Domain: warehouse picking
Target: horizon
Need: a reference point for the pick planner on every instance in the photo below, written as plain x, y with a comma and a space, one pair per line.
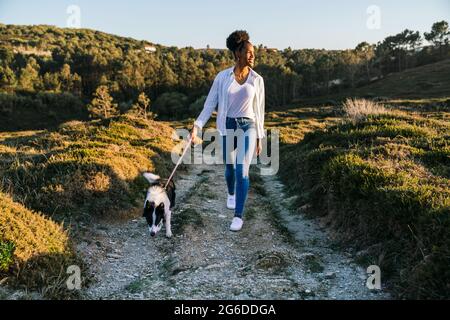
334, 26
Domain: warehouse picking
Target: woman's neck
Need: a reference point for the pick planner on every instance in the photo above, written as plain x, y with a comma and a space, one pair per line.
241, 70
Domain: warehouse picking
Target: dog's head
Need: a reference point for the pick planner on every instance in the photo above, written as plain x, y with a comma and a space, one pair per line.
154, 214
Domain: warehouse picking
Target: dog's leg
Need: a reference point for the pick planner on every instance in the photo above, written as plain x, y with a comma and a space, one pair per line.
168, 226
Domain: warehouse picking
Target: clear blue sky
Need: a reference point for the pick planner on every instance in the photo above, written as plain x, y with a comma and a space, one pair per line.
329, 24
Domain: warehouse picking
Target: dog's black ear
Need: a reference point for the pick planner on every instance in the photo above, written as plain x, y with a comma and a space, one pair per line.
149, 205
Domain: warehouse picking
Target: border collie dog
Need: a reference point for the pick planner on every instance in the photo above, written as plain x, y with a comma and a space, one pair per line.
158, 203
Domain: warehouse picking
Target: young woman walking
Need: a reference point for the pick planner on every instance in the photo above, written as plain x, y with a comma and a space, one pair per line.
239, 93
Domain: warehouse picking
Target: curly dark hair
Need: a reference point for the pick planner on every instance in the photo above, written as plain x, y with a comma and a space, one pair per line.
237, 40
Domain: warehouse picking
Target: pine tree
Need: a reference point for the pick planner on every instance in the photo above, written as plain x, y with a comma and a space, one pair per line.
66, 78
439, 35
51, 82
142, 105
29, 77
7, 77
102, 105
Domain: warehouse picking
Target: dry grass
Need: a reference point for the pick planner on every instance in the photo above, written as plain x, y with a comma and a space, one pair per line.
31, 232
293, 124
36, 250
357, 110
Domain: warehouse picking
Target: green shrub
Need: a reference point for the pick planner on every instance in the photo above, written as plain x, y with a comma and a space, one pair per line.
6, 255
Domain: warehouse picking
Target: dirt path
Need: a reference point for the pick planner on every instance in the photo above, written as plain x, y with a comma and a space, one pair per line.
277, 255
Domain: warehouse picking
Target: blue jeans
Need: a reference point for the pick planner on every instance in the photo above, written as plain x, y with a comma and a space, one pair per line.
238, 147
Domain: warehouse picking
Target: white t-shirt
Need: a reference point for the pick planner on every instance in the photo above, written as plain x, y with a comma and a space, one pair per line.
240, 99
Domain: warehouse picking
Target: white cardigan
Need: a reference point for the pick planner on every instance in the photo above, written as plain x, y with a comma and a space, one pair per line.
218, 95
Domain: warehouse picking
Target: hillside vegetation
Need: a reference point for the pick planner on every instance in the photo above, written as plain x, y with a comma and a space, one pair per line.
425, 82
425, 89
382, 182
40, 65
82, 171
85, 168
34, 251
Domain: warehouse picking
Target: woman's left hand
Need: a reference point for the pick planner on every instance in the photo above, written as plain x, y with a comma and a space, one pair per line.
258, 147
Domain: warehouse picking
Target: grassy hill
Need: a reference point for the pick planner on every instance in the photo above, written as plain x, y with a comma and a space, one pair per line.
34, 250
381, 183
431, 81
42, 39
425, 88
85, 168
82, 171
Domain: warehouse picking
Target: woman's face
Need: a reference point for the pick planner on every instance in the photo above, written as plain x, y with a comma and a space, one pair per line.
246, 57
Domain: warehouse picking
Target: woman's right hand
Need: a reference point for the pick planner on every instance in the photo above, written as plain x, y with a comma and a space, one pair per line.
193, 133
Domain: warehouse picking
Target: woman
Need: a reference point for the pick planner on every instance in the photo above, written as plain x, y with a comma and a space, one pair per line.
239, 93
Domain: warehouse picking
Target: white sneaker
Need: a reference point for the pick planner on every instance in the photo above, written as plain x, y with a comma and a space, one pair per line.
231, 201
236, 224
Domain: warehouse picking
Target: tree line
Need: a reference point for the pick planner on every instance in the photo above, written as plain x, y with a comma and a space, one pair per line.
111, 74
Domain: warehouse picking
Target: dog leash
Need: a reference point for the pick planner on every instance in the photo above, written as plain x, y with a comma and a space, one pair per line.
178, 163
